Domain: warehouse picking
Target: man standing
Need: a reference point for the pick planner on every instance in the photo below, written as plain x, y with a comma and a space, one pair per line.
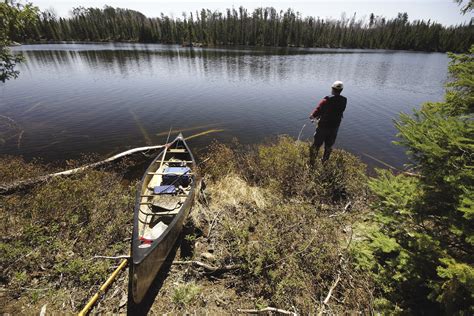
329, 115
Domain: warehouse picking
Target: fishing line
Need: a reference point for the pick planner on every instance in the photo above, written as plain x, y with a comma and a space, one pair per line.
304, 125
299, 135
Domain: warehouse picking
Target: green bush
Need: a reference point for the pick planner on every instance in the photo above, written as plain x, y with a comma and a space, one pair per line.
419, 246
275, 224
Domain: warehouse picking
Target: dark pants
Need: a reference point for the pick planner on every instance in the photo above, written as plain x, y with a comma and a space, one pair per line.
323, 135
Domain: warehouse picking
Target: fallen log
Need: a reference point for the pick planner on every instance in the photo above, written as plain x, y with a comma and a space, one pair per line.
23, 184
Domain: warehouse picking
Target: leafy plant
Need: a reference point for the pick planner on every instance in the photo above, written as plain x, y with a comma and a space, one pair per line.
14, 19
185, 294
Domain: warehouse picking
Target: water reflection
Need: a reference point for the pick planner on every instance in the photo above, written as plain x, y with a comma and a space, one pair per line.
73, 98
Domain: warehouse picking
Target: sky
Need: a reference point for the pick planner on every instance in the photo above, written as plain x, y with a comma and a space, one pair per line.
443, 11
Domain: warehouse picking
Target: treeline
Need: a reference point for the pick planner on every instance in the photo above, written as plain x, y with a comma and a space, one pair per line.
262, 27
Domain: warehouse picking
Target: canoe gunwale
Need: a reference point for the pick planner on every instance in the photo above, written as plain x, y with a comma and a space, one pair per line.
138, 255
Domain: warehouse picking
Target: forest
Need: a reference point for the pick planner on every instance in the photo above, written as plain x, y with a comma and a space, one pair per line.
262, 27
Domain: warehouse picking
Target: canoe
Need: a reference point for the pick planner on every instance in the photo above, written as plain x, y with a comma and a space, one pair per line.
162, 204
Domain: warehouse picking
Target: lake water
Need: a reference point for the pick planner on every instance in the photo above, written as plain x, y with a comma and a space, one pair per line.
104, 98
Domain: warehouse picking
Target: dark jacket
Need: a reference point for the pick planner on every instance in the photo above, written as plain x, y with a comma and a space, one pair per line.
329, 111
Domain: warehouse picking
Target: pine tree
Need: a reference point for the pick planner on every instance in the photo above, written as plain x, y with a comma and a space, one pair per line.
421, 244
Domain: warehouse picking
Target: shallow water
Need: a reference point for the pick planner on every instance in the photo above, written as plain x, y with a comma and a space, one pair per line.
105, 98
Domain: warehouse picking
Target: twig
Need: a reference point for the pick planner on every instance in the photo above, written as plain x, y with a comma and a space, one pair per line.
331, 289
25, 289
266, 309
111, 257
333, 286
345, 210
412, 174
209, 268
213, 222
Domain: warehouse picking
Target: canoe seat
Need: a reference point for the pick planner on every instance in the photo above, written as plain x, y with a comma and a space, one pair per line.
177, 150
166, 202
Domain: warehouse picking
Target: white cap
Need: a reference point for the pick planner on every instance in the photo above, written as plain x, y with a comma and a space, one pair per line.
338, 85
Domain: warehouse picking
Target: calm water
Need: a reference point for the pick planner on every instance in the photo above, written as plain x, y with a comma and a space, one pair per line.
105, 98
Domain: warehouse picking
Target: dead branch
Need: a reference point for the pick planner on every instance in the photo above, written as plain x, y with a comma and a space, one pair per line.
25, 289
22, 184
348, 205
266, 310
333, 286
111, 257
212, 223
209, 268
328, 297
412, 174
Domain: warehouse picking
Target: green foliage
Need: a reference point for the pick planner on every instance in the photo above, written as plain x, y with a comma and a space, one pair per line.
50, 234
283, 167
419, 246
262, 27
15, 19
185, 294
275, 224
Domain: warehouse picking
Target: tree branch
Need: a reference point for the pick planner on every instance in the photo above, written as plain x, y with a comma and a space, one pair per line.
22, 184
209, 268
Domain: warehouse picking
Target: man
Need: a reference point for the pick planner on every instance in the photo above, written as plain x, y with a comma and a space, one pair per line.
329, 115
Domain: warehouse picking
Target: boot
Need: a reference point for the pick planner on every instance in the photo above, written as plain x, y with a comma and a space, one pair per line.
313, 153
327, 153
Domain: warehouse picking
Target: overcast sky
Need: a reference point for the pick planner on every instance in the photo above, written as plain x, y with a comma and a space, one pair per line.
443, 11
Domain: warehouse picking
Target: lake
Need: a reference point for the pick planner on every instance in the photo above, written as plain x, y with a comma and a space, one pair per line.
104, 98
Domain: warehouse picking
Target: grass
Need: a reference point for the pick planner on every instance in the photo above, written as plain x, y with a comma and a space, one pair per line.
185, 294
284, 223
50, 234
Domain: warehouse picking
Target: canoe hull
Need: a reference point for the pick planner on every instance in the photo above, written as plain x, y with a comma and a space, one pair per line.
145, 263
142, 274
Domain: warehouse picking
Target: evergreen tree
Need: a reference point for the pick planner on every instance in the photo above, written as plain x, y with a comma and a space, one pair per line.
421, 245
265, 26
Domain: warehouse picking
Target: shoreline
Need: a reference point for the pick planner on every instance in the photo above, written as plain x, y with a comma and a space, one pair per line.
202, 46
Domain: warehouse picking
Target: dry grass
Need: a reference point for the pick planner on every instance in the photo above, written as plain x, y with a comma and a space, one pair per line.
265, 210
50, 235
